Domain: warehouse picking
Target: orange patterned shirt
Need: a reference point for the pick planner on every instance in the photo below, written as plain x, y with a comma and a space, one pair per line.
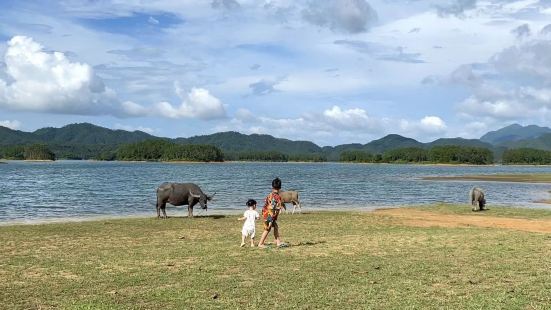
272, 207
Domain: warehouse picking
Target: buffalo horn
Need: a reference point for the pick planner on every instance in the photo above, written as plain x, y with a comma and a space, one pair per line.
193, 195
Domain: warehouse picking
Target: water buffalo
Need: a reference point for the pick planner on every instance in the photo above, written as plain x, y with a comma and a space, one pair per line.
477, 199
291, 197
179, 194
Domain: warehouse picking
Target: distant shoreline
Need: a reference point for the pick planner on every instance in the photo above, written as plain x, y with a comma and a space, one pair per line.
6, 161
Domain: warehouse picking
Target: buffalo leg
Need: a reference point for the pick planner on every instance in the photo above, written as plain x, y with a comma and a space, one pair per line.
164, 211
161, 205
190, 208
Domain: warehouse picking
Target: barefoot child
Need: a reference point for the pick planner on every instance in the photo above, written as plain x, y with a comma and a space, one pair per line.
272, 207
249, 226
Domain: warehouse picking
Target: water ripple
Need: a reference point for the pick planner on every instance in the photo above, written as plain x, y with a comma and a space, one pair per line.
74, 189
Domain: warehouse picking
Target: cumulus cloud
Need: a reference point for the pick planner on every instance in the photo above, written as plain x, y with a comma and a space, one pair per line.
198, 103
49, 82
41, 81
348, 119
514, 84
425, 128
349, 16
433, 124
352, 125
11, 124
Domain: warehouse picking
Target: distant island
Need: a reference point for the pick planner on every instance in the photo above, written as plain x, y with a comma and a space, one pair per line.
513, 144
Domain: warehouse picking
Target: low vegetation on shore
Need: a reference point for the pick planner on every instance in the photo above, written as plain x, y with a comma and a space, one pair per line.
28, 152
425, 258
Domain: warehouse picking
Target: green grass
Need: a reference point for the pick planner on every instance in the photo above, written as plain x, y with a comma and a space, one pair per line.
498, 211
337, 260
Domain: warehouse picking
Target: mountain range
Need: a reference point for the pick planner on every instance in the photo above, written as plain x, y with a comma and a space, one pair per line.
84, 139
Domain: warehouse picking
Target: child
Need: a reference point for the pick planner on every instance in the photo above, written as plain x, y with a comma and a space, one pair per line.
272, 207
249, 226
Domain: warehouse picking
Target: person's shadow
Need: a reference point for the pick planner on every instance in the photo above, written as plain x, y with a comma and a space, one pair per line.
307, 243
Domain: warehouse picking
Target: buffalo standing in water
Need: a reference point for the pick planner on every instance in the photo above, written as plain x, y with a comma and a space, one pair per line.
477, 199
179, 194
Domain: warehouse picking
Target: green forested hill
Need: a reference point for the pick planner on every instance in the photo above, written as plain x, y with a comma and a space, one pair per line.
390, 142
88, 141
89, 134
75, 141
13, 137
232, 141
542, 142
514, 132
459, 142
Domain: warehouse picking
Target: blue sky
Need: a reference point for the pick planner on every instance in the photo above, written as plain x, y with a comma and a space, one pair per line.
334, 71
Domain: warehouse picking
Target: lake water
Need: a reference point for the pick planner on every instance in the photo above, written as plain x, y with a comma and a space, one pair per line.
80, 189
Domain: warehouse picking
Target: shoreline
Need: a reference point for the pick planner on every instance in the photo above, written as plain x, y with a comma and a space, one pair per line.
264, 162
544, 205
181, 215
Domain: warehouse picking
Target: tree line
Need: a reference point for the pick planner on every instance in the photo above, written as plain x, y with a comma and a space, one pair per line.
439, 154
27, 152
164, 150
274, 156
526, 156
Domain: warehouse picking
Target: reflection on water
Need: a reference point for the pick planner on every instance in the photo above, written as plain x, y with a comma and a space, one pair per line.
33, 191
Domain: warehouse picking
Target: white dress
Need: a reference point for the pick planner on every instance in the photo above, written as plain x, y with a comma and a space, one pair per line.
249, 225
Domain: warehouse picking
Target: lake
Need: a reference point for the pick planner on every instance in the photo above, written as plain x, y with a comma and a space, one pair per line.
32, 191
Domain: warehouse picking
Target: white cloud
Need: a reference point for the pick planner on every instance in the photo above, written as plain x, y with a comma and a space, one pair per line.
433, 124
425, 129
198, 103
49, 82
43, 81
348, 119
13, 124
514, 84
350, 125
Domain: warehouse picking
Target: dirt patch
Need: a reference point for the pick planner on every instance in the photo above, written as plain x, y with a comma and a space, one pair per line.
420, 218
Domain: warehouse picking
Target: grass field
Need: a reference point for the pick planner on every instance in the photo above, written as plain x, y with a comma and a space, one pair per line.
388, 259
523, 178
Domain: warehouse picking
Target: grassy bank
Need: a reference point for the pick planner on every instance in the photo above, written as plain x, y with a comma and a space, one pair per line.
336, 260
523, 178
